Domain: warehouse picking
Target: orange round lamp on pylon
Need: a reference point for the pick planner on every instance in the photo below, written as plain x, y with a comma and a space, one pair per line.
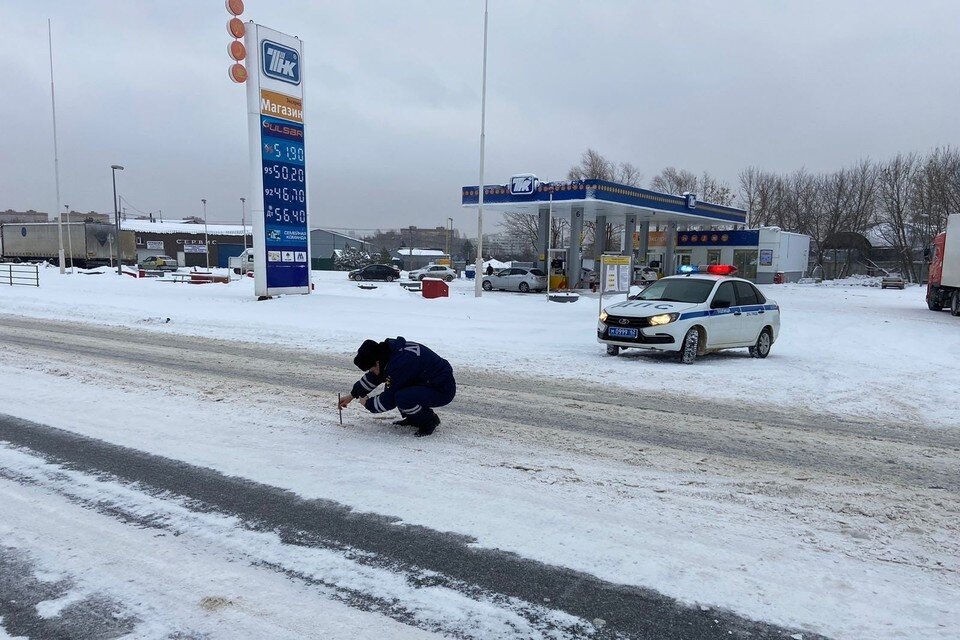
238, 73
235, 27
235, 7
236, 50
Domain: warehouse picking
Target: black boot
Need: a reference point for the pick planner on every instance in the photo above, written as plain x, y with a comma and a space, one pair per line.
428, 427
405, 422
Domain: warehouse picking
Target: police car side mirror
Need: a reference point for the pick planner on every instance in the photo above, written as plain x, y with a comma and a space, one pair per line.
720, 304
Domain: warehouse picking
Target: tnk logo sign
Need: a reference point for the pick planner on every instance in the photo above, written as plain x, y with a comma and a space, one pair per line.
280, 62
523, 184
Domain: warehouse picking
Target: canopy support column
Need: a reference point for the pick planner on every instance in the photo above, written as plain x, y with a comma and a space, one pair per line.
574, 251
543, 238
600, 239
643, 248
669, 268
629, 227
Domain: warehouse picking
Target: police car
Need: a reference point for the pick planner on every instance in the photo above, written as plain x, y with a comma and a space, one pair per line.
702, 310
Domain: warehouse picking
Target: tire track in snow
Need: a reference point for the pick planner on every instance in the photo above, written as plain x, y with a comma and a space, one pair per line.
328, 544
917, 457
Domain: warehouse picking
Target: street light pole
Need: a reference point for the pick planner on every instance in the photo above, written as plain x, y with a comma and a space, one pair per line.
478, 274
206, 236
449, 233
116, 215
243, 220
66, 208
56, 156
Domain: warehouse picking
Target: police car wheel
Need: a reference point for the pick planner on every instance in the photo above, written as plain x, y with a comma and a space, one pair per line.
762, 348
691, 344
613, 350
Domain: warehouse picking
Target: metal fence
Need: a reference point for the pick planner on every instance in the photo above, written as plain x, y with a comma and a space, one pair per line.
23, 274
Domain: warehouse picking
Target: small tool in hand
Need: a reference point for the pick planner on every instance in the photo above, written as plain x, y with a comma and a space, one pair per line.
340, 409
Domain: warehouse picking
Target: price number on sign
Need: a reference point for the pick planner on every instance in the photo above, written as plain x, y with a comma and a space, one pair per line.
286, 214
287, 194
285, 152
284, 172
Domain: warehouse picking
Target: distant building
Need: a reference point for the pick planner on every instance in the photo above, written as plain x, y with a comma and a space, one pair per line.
506, 245
186, 241
325, 244
11, 216
426, 237
410, 258
89, 216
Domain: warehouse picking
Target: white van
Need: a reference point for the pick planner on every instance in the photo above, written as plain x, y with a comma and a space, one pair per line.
242, 263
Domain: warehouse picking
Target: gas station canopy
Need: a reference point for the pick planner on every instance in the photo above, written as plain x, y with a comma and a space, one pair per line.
603, 202
599, 198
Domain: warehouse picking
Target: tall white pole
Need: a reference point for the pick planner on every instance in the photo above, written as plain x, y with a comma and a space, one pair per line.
243, 220
206, 236
56, 157
66, 210
478, 276
549, 243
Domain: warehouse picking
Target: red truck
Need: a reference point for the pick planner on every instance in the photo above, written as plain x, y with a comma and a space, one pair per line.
943, 288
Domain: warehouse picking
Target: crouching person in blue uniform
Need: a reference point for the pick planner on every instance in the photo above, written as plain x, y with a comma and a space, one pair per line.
415, 379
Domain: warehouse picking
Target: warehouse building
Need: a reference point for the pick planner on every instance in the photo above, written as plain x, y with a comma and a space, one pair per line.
325, 245
187, 241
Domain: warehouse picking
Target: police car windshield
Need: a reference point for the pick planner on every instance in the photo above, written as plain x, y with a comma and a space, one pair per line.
694, 290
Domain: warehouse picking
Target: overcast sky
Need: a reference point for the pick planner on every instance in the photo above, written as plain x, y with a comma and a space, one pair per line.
393, 96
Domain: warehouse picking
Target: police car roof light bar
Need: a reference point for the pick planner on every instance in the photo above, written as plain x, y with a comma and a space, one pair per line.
712, 269
722, 269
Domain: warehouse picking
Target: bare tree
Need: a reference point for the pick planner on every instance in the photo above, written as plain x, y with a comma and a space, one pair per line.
709, 189
628, 174
680, 181
936, 193
673, 180
594, 166
897, 183
526, 228
522, 226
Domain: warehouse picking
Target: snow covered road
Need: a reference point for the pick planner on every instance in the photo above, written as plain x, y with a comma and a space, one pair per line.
759, 514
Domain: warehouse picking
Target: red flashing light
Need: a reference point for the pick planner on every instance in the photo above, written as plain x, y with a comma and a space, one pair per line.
722, 269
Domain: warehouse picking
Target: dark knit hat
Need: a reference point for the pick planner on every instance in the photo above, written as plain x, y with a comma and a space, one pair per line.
367, 355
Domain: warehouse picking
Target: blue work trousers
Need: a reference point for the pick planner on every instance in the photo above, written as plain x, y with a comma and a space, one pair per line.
417, 403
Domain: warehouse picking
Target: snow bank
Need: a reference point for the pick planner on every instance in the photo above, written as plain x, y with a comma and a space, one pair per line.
845, 349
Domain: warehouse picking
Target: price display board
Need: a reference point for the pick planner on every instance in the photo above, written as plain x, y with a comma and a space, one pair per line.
279, 179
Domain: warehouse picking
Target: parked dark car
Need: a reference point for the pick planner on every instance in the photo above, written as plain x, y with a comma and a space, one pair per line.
375, 272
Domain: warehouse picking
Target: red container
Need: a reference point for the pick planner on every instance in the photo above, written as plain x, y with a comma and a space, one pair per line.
434, 288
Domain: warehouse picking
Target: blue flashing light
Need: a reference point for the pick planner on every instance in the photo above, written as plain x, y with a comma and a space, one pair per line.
688, 268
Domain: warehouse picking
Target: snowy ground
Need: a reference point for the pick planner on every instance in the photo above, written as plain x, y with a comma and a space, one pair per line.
849, 350
819, 548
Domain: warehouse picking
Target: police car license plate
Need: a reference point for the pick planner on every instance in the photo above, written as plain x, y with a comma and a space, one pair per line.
618, 332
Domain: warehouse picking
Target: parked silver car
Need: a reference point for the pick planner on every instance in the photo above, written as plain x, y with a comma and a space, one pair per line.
893, 281
522, 280
433, 271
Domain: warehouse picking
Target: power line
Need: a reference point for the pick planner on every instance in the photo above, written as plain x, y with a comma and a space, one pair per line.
135, 208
